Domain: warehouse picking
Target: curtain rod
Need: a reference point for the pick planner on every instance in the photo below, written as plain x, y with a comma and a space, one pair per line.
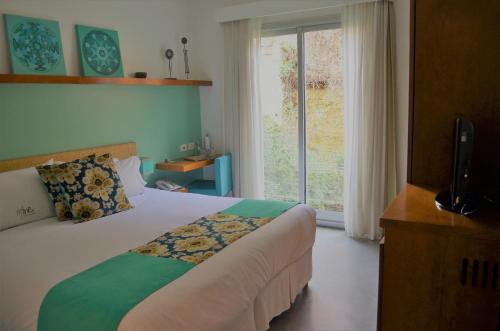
273, 8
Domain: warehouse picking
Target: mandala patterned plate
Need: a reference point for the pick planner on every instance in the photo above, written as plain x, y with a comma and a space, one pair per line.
99, 52
35, 46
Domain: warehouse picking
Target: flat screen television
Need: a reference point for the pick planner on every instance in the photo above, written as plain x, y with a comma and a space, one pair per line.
459, 198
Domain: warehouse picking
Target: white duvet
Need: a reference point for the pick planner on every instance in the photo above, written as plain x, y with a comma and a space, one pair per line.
36, 256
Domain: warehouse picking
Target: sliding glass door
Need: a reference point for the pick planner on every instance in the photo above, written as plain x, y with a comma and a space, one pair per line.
302, 101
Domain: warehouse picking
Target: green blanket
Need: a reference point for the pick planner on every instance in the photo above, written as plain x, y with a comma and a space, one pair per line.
98, 298
259, 208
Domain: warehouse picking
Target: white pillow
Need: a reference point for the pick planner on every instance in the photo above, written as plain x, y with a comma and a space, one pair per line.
130, 175
23, 198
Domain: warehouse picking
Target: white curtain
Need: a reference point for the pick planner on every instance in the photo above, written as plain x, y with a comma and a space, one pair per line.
242, 119
370, 167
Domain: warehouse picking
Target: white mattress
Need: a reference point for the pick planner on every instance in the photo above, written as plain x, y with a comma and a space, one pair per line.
36, 256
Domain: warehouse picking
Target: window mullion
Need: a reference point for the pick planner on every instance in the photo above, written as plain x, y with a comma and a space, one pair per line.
302, 114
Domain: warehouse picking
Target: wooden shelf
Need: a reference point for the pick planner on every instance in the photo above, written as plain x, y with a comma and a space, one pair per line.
45, 79
184, 165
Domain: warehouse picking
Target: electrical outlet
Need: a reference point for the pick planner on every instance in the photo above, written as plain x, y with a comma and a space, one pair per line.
191, 146
184, 147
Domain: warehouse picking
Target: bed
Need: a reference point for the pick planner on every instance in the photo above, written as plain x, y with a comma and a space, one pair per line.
240, 288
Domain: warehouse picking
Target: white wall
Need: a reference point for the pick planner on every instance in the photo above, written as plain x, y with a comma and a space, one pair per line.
208, 63
145, 29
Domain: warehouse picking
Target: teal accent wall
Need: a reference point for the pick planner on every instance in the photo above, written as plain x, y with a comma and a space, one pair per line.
40, 119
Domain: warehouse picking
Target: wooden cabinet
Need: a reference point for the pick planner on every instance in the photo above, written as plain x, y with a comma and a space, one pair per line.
454, 70
439, 270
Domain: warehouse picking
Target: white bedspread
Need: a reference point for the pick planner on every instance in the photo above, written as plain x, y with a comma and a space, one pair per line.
36, 256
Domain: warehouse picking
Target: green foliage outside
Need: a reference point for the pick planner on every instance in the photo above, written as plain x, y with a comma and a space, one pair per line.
324, 128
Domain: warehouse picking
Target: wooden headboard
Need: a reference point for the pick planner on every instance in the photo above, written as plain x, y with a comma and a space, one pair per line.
120, 151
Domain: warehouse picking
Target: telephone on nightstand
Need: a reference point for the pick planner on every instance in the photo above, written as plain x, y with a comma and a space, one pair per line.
167, 185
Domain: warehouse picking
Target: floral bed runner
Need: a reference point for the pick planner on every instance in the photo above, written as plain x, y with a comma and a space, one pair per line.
98, 298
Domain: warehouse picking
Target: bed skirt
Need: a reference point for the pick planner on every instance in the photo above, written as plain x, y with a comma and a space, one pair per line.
276, 297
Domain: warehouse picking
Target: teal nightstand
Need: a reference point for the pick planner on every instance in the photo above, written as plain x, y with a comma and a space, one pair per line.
147, 166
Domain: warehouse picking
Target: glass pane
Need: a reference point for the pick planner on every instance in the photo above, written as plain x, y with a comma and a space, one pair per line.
324, 120
280, 116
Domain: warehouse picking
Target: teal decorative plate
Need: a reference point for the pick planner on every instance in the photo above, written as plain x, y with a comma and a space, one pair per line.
34, 45
99, 52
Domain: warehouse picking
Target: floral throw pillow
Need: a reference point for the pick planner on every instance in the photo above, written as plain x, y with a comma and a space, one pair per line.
51, 176
92, 188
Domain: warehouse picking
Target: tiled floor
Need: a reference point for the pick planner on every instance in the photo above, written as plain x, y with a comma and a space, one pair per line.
342, 295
